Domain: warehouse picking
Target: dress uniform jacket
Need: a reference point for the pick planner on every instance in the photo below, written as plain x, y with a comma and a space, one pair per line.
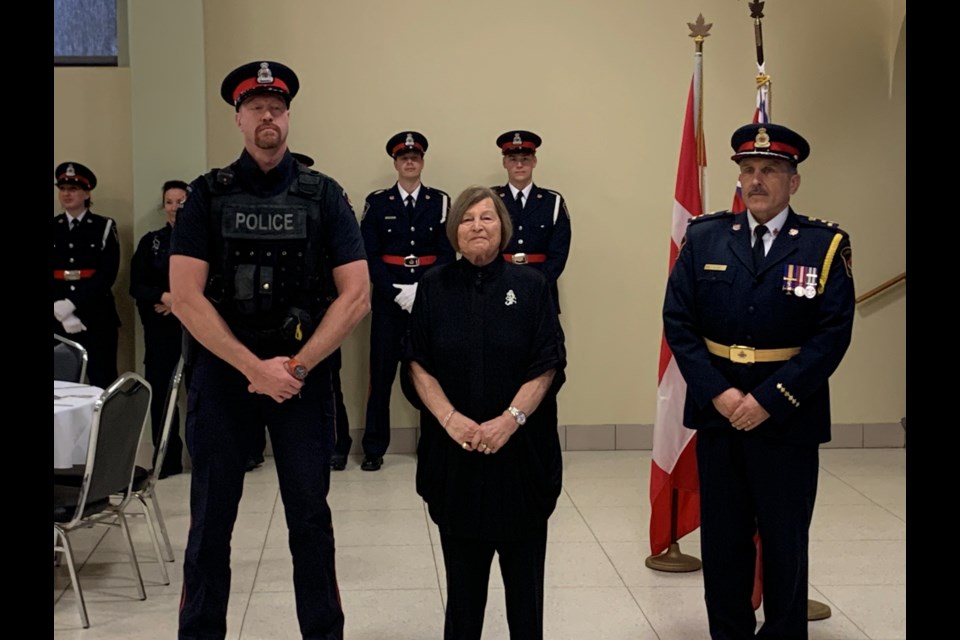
714, 293
541, 226
93, 249
94, 246
388, 229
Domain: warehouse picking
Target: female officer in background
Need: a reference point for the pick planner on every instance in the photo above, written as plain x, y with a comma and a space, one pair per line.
162, 334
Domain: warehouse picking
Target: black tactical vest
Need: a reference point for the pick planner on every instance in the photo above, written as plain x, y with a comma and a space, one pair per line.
269, 277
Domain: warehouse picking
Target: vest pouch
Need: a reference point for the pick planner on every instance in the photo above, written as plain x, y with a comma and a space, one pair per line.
245, 286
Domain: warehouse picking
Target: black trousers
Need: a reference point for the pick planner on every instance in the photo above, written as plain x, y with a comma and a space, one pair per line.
343, 423
161, 353
387, 328
467, 563
750, 483
222, 419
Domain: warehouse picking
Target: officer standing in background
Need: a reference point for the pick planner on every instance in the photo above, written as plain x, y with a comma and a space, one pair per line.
758, 313
541, 222
86, 258
253, 250
405, 236
162, 332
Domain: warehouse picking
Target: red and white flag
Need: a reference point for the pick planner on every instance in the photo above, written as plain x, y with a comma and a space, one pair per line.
674, 484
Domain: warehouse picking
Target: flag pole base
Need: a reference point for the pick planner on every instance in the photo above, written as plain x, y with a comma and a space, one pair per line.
817, 610
673, 561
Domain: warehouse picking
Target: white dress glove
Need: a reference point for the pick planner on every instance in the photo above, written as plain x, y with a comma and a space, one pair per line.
408, 293
62, 309
72, 324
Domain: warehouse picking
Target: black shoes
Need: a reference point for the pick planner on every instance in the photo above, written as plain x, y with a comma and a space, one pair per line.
372, 463
253, 462
166, 473
338, 461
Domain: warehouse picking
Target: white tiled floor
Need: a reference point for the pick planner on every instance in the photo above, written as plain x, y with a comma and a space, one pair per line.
390, 566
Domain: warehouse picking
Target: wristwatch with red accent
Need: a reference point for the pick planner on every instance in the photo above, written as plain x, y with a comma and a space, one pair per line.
296, 368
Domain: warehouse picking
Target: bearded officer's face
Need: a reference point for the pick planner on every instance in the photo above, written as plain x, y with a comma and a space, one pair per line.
264, 121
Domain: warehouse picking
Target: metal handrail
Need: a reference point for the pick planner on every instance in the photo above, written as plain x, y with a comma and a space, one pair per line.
883, 287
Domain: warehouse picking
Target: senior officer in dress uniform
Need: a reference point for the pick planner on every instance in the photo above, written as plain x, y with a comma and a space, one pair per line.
86, 258
541, 222
254, 249
758, 313
404, 236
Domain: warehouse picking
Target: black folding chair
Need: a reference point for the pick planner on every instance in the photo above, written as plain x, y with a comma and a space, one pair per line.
119, 418
69, 360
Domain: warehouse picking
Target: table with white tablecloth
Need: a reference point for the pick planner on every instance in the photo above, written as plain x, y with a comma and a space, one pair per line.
72, 417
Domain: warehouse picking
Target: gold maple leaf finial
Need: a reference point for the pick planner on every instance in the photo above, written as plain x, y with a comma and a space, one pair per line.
699, 28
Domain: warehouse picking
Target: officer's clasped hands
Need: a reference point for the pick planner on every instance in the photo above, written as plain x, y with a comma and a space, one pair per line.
271, 378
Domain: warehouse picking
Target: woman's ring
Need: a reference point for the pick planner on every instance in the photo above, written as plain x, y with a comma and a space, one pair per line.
465, 445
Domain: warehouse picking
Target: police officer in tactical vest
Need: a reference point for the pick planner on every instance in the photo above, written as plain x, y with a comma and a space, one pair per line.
268, 275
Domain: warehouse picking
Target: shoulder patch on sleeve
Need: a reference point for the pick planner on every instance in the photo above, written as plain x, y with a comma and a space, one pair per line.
366, 208
847, 254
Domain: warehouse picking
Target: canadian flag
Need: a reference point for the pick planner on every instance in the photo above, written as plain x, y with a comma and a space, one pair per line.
674, 484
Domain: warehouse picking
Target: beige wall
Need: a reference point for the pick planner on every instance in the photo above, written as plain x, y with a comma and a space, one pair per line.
604, 83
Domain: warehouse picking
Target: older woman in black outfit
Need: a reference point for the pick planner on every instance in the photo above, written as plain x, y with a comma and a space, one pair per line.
485, 361
162, 337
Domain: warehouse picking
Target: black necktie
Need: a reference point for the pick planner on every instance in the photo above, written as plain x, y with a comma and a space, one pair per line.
409, 203
758, 252
74, 223
520, 199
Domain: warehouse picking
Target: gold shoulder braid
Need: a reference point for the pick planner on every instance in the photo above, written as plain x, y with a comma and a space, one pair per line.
828, 260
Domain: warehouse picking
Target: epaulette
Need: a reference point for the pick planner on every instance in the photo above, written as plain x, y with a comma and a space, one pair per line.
554, 192
819, 222
435, 190
375, 193
716, 215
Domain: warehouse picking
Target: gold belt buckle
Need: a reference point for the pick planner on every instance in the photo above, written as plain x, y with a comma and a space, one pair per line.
71, 274
742, 354
411, 261
519, 258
